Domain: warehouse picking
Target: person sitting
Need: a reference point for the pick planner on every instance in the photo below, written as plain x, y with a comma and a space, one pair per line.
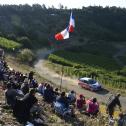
35, 113
62, 106
92, 107
81, 103
11, 94
49, 94
41, 88
25, 88
18, 89
22, 78
56, 93
63, 100
33, 83
30, 76
28, 101
72, 97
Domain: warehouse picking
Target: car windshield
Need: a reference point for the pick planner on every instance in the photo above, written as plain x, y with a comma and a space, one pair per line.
91, 81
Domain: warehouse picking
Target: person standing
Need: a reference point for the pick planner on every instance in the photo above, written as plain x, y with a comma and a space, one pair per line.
112, 104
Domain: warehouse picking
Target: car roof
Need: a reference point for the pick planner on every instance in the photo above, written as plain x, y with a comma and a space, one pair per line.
85, 78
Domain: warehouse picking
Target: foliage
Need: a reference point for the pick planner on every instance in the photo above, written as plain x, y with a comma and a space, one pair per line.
9, 44
26, 55
78, 63
25, 41
39, 24
87, 58
123, 58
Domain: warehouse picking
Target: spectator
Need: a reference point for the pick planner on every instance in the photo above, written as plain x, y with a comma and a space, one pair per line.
41, 88
22, 78
92, 107
11, 95
112, 104
48, 94
63, 100
28, 101
30, 76
18, 89
25, 88
121, 120
81, 103
33, 83
56, 93
72, 97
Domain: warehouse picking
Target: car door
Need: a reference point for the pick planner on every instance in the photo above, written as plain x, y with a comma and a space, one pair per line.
81, 83
87, 86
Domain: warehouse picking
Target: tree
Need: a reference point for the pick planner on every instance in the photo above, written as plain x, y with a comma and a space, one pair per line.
61, 6
25, 41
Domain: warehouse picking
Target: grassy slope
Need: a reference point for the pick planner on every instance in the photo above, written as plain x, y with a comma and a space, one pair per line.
9, 44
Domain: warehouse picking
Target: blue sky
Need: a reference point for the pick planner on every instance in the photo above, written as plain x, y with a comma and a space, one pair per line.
69, 3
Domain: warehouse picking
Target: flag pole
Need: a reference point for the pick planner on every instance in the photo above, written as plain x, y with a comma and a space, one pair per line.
61, 81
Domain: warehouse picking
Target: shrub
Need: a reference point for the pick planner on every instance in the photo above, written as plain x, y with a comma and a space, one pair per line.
26, 55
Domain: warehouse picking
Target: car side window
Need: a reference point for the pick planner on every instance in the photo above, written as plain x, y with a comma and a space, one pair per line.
85, 81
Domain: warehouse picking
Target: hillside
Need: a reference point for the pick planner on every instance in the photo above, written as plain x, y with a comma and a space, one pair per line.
93, 50
34, 26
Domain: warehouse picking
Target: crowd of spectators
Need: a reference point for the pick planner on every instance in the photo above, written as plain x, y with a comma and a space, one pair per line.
20, 93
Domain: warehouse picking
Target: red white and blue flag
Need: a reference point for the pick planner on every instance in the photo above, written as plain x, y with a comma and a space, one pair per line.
71, 23
62, 35
65, 33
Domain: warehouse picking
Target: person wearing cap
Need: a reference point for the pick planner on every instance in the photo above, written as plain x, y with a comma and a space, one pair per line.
112, 104
81, 103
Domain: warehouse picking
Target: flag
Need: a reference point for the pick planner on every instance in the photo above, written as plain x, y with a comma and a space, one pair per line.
62, 35
71, 23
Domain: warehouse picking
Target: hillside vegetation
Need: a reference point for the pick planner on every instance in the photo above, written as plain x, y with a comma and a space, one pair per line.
81, 61
35, 26
9, 44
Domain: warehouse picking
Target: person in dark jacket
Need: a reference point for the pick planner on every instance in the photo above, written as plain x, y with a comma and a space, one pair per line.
49, 94
63, 100
112, 104
121, 120
28, 101
11, 94
30, 76
25, 88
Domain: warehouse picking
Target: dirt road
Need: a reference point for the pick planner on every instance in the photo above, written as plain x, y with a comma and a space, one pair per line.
69, 83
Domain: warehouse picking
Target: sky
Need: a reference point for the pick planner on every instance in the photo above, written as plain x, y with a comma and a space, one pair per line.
69, 3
